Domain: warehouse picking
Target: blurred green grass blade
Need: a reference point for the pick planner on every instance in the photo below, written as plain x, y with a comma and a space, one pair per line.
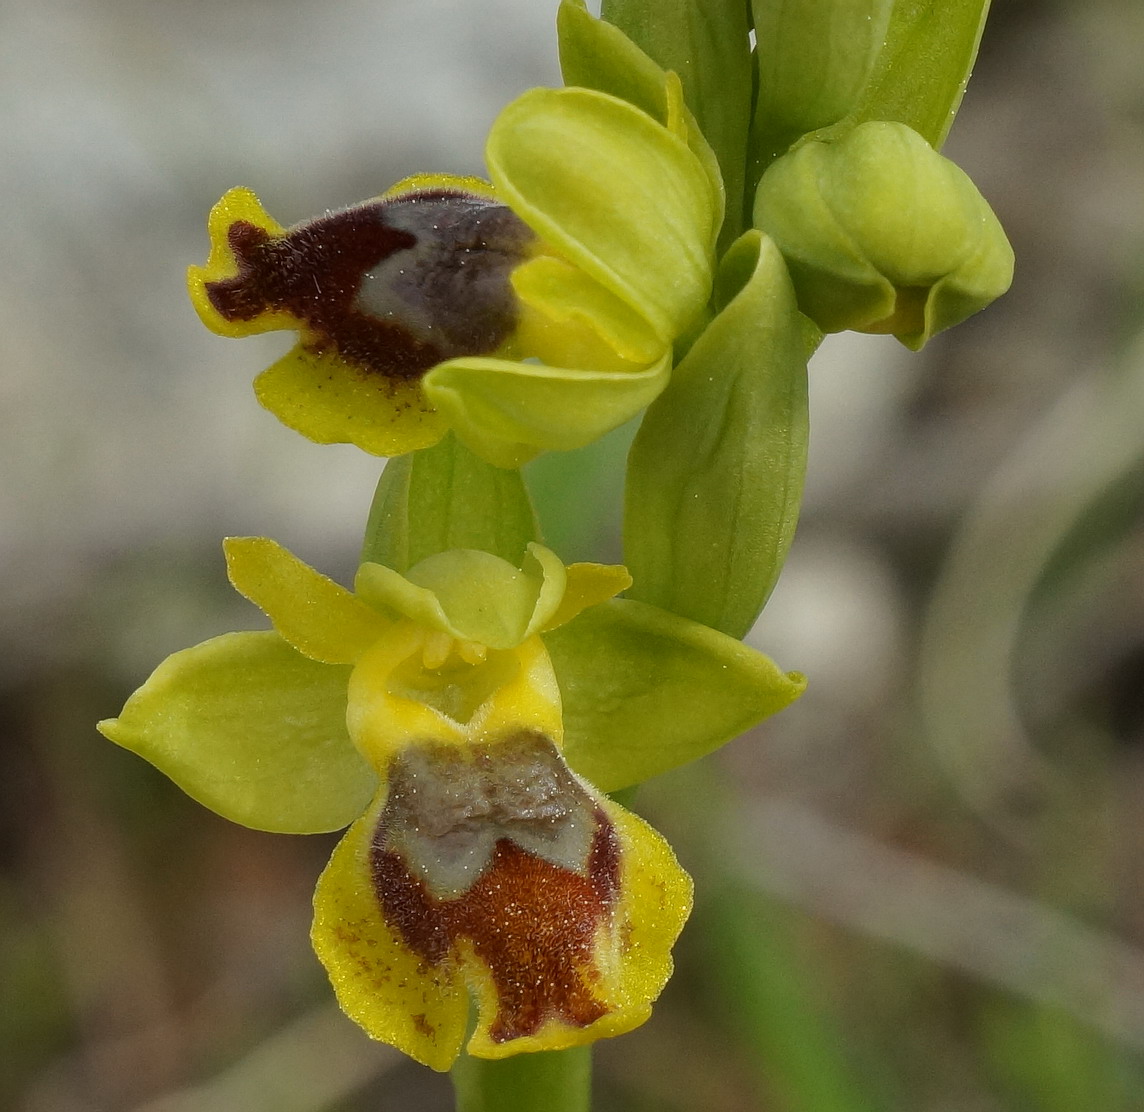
442, 498
1111, 518
768, 993
1034, 526
1044, 1060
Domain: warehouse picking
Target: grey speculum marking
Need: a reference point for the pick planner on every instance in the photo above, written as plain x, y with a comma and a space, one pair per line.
450, 289
448, 807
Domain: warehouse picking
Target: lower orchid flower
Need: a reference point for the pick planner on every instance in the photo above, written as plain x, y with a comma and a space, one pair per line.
427, 710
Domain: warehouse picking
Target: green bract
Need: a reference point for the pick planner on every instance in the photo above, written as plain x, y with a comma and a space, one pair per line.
707, 46
445, 497
882, 234
814, 60
924, 65
715, 473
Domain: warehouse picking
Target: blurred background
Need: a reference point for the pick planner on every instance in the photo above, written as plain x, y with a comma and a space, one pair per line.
919, 888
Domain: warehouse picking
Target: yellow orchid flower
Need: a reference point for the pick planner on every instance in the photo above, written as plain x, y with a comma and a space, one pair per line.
534, 312
451, 714
481, 862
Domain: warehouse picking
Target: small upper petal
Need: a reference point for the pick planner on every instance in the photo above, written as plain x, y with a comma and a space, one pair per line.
319, 617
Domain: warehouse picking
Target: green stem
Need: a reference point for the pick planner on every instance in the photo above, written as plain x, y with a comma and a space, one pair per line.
548, 1081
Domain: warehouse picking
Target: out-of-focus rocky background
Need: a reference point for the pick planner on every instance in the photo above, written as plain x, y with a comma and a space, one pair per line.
919, 888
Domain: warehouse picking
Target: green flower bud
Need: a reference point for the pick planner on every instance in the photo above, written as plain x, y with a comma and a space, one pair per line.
882, 234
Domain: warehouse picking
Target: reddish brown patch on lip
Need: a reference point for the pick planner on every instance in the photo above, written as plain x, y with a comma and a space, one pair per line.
315, 272
533, 923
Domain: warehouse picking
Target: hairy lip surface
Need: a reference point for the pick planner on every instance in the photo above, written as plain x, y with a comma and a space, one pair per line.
502, 847
394, 286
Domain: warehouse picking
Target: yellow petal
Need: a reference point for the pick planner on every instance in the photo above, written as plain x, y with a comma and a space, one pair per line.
319, 617
548, 571
568, 304
381, 984
588, 585
331, 402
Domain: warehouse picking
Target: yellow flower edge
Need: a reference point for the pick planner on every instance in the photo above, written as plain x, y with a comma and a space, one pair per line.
421, 1006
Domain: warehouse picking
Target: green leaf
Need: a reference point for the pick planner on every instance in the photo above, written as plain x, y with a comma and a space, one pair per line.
577, 495
708, 46
253, 730
814, 58
716, 471
445, 498
921, 72
645, 691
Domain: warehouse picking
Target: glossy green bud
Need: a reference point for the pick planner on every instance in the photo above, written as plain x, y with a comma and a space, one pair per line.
882, 234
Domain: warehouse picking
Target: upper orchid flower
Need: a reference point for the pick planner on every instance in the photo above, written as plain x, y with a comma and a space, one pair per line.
536, 312
427, 708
